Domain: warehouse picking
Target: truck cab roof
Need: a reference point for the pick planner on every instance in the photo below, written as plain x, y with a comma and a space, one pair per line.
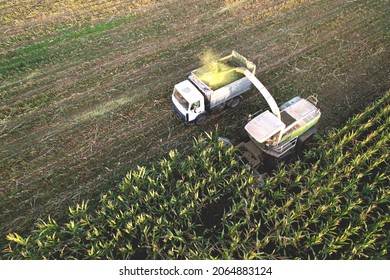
188, 91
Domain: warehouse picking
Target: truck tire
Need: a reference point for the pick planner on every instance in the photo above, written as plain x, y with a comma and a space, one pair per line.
234, 102
201, 119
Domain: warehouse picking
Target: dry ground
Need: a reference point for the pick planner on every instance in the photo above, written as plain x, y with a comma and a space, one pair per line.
85, 85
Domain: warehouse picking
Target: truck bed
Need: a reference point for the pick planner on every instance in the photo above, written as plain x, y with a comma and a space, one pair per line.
220, 82
216, 75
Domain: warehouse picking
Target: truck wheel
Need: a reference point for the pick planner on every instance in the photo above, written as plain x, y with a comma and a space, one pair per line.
234, 102
201, 119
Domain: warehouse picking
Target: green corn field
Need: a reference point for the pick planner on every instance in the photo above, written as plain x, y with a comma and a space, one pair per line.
331, 203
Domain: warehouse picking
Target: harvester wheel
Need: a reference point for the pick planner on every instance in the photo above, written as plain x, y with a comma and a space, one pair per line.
270, 163
244, 137
306, 138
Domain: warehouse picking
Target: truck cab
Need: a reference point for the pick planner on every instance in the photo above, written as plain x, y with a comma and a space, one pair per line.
188, 102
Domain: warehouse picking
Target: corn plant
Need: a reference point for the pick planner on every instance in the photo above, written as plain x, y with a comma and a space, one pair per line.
332, 203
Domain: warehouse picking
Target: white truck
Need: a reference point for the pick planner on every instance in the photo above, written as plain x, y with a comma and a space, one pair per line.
209, 89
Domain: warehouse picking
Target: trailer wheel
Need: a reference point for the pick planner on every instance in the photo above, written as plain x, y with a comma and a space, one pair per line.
201, 119
234, 102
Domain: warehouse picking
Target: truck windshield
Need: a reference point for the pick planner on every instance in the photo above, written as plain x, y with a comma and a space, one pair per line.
183, 102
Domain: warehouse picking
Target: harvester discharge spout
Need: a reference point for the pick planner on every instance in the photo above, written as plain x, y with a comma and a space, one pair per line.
263, 90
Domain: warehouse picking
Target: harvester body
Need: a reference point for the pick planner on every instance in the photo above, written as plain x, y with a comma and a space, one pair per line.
276, 134
273, 138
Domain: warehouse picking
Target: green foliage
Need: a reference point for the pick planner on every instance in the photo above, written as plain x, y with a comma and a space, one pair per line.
164, 211
333, 203
43, 51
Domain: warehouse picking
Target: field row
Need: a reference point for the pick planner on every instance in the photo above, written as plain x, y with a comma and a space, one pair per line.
25, 22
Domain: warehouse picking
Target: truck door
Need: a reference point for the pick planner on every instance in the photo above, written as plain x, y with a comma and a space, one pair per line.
196, 108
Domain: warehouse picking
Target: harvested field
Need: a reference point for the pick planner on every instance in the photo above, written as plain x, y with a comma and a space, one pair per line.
85, 85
